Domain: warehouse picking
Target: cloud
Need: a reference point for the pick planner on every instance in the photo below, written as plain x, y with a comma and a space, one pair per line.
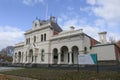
91, 2
102, 15
91, 30
32, 2
107, 9
10, 36
80, 24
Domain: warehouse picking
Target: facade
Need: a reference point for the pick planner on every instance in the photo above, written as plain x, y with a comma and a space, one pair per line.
47, 43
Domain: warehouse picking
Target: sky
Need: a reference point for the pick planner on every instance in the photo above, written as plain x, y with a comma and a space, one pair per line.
93, 16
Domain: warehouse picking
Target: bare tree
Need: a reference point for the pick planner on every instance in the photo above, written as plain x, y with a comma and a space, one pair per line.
6, 54
112, 39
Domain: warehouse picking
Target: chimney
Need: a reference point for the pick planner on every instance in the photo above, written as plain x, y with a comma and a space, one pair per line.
81, 30
52, 19
102, 37
72, 28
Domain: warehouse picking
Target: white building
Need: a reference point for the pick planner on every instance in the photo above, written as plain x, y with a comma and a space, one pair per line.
47, 43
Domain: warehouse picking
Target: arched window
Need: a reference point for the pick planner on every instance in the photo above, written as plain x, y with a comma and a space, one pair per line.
15, 55
29, 40
42, 55
44, 37
35, 24
41, 37
34, 38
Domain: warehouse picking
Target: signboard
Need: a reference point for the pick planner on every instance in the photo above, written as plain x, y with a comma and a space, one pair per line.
87, 59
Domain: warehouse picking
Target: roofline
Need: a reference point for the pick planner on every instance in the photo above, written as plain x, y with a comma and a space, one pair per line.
18, 46
91, 37
106, 45
36, 29
64, 36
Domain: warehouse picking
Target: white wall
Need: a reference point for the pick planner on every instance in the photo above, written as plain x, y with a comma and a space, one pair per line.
105, 52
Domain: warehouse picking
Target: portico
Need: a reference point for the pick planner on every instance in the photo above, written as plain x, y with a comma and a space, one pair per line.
65, 55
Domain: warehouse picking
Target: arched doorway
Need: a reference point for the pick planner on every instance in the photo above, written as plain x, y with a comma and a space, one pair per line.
64, 55
30, 56
55, 56
75, 53
19, 57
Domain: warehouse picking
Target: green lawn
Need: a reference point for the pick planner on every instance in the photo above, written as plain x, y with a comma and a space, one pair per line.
52, 74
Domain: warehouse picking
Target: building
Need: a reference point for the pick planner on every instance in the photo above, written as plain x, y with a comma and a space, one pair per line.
47, 43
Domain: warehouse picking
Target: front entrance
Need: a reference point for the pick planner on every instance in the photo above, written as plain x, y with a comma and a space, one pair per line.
30, 56
55, 56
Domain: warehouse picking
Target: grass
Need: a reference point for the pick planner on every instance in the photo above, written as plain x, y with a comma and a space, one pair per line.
52, 74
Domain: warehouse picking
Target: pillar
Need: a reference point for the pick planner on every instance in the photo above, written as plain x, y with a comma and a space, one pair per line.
59, 58
17, 58
70, 57
13, 58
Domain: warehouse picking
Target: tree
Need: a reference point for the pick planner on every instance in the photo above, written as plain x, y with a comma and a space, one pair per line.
112, 39
6, 54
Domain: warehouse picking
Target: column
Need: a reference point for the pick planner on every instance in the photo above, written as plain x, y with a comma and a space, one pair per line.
59, 58
51, 58
17, 58
70, 57
28, 59
34, 59
13, 58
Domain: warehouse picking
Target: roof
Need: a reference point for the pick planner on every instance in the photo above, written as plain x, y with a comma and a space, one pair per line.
19, 44
56, 27
65, 34
46, 24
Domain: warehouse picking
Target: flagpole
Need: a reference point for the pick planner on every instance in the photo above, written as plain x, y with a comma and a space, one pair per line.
46, 14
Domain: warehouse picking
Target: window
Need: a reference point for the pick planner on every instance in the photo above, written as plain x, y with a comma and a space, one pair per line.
35, 24
44, 37
29, 40
42, 55
34, 38
26, 41
41, 37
